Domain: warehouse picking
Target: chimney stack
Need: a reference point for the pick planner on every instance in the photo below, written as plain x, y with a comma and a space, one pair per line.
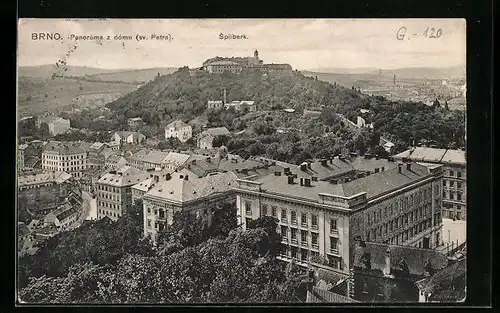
303, 166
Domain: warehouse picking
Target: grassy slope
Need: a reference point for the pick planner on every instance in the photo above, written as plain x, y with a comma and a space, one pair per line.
60, 92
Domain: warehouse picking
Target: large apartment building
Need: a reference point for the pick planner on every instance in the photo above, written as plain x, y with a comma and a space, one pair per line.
114, 193
454, 179
67, 157
183, 192
318, 220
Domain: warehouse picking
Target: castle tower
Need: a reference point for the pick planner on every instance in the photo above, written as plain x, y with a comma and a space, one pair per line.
256, 54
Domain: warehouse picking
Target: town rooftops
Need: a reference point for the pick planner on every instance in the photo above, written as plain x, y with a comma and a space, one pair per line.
434, 155
64, 148
155, 156
373, 185
43, 178
144, 185
177, 124
181, 188
415, 258
66, 211
126, 176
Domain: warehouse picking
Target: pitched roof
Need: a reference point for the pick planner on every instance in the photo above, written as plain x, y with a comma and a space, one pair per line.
374, 184
216, 131
317, 295
126, 176
155, 156
64, 148
435, 155
177, 124
414, 257
41, 178
444, 278
179, 189
114, 158
223, 63
65, 211
176, 158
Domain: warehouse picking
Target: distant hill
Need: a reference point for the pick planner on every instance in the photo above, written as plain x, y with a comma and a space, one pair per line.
180, 94
91, 73
46, 71
133, 76
407, 72
38, 95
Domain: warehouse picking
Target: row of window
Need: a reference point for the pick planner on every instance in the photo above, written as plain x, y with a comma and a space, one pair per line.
388, 211
109, 213
305, 255
159, 226
63, 157
104, 195
304, 238
452, 173
452, 184
294, 215
452, 195
108, 188
383, 231
109, 205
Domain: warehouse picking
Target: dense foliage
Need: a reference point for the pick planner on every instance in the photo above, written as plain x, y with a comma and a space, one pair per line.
193, 263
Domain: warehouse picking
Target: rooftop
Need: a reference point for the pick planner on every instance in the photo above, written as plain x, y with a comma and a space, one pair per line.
126, 176
374, 185
434, 155
177, 124
443, 278
182, 189
42, 178
415, 258
64, 148
317, 295
216, 131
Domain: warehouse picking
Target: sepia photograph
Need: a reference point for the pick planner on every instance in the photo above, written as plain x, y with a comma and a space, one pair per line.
241, 161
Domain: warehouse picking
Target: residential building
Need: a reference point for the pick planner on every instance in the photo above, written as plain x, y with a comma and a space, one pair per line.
130, 137
454, 180
181, 192
178, 129
388, 273
114, 145
215, 104
113, 191
206, 138
134, 123
115, 162
65, 217
320, 219
41, 193
97, 154
175, 160
66, 157
140, 189
56, 124
241, 105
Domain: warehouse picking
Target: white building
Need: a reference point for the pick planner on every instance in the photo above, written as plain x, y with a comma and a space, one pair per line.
66, 157
206, 138
180, 130
129, 137
215, 104
57, 125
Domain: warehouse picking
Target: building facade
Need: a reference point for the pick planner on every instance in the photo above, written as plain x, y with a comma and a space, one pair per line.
454, 179
178, 129
181, 192
134, 138
215, 104
318, 219
134, 123
113, 191
66, 157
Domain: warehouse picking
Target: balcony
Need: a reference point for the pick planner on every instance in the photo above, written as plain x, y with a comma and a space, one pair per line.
294, 241
315, 246
334, 232
334, 251
314, 226
293, 222
304, 243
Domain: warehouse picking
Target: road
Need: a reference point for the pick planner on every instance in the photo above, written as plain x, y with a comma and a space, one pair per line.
91, 213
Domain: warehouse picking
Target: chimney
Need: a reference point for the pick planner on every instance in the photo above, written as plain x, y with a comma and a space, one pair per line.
307, 182
399, 167
331, 161
181, 176
186, 177
408, 166
290, 180
168, 176
224, 96
156, 178
303, 166
387, 265
376, 170
208, 159
193, 162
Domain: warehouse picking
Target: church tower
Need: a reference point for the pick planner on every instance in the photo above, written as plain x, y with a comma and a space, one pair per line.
256, 54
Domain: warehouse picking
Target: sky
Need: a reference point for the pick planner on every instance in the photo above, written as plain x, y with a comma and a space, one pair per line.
302, 43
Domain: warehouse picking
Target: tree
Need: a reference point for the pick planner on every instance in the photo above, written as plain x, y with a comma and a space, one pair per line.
220, 140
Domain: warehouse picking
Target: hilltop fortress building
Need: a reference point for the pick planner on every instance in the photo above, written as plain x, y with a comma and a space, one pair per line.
238, 64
